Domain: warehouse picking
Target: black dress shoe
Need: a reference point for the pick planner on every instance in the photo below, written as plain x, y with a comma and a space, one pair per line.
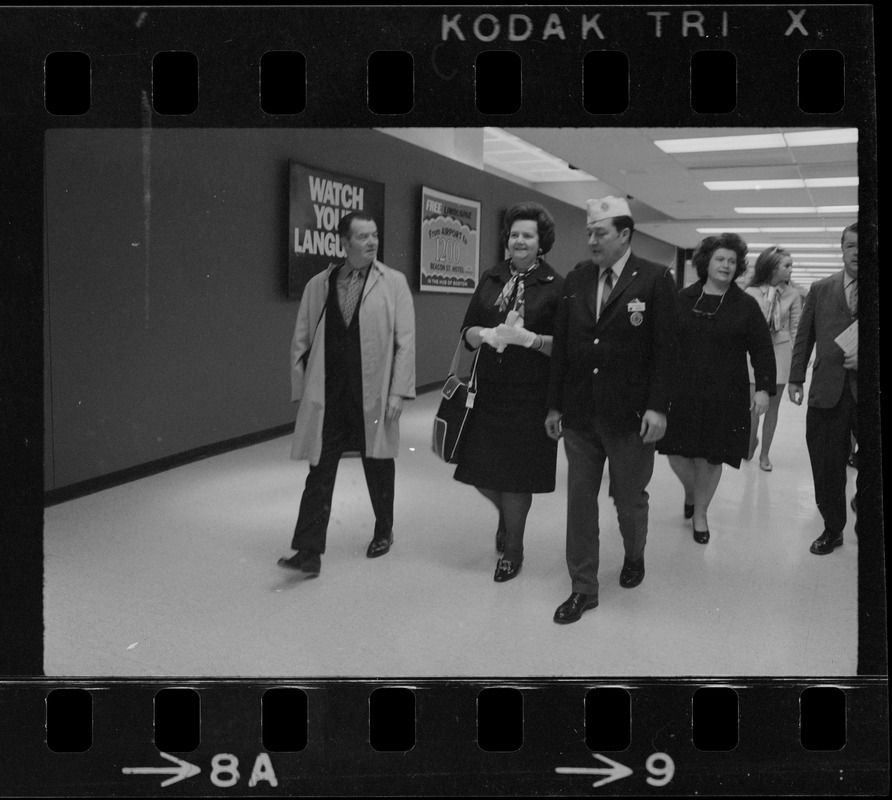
632, 574
826, 543
379, 546
701, 537
573, 607
506, 570
688, 511
501, 533
308, 563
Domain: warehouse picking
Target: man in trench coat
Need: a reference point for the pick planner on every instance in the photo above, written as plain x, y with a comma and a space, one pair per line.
352, 366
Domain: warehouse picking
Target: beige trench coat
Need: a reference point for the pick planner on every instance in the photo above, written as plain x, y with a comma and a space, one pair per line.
387, 343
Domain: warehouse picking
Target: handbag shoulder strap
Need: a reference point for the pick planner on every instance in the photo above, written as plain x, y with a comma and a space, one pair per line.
453, 367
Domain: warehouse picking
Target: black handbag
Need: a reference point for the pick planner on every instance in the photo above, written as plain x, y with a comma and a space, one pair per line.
455, 405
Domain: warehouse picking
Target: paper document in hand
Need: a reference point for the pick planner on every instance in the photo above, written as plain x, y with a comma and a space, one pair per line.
848, 339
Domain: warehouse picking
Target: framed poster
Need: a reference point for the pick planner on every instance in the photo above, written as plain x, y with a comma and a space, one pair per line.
450, 243
317, 201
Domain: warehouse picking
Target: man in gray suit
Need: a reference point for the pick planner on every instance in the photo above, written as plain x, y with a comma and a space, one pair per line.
831, 307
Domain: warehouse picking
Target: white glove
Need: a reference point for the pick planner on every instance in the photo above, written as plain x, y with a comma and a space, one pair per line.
515, 334
490, 337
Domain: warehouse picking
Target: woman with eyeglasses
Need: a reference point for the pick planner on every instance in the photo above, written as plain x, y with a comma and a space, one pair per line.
708, 423
781, 304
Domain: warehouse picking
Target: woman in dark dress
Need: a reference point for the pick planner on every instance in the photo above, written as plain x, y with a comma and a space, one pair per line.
506, 453
709, 421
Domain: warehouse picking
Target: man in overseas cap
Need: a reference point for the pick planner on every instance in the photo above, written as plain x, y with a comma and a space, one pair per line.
614, 356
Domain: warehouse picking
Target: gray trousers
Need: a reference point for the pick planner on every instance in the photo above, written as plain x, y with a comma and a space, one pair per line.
631, 464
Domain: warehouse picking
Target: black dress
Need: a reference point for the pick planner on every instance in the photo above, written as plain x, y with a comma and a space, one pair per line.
710, 412
505, 447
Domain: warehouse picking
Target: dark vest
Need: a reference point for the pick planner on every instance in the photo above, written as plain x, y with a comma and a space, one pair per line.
343, 353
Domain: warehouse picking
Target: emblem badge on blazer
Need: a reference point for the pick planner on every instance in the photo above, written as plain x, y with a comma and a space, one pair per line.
635, 308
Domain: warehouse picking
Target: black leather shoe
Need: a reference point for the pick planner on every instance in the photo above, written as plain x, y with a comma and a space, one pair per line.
825, 543
632, 574
688, 511
379, 546
573, 607
308, 563
506, 570
701, 537
501, 533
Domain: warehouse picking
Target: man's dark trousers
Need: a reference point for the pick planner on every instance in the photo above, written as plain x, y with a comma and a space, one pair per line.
827, 434
631, 465
343, 429
338, 437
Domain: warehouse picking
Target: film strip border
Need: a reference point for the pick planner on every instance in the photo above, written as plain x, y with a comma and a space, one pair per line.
498, 82
441, 738
578, 65
560, 720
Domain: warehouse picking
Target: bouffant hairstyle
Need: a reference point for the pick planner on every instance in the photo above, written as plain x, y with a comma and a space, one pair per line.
538, 214
346, 221
703, 254
766, 264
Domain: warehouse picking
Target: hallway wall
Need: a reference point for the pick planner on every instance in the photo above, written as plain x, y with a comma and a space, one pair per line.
167, 326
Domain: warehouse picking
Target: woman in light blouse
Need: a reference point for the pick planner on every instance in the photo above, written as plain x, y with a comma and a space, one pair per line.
781, 305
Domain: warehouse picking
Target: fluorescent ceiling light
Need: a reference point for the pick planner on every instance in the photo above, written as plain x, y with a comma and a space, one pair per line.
813, 229
758, 141
813, 255
822, 137
798, 245
779, 183
829, 183
708, 144
818, 264
777, 230
768, 210
737, 186
729, 230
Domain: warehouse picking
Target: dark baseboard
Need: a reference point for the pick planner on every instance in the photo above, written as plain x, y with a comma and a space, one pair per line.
65, 493
82, 488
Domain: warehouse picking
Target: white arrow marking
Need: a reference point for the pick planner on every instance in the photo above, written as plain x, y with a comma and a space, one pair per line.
180, 772
614, 771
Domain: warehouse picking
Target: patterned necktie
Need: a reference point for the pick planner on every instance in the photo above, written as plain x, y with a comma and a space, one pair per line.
853, 297
351, 297
773, 315
608, 287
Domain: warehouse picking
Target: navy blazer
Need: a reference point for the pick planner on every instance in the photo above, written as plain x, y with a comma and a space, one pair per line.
623, 364
825, 315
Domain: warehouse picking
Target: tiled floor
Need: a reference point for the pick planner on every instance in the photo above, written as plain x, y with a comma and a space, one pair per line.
176, 575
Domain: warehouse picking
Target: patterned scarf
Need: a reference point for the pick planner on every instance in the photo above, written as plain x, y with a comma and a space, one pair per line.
516, 280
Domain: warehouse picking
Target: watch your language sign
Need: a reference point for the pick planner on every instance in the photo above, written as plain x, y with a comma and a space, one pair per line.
318, 200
